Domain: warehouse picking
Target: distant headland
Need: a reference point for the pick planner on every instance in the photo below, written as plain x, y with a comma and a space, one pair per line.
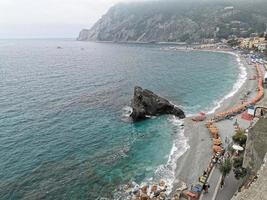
186, 22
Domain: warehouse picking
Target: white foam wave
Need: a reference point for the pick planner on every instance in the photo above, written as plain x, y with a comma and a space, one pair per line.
179, 147
238, 84
180, 144
126, 112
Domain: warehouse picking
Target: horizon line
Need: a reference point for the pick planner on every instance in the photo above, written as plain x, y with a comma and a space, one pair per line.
35, 38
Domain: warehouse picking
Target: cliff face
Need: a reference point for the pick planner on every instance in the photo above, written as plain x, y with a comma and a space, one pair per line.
256, 146
177, 21
84, 35
255, 160
258, 189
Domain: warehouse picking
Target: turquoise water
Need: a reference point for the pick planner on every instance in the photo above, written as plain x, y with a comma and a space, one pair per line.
63, 130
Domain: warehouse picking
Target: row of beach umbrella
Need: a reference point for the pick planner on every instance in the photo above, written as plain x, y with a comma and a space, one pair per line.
217, 142
244, 106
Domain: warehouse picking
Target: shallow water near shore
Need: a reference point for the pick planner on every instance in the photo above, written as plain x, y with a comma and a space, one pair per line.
64, 130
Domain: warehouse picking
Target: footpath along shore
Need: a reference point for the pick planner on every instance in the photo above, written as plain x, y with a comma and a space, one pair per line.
215, 177
192, 164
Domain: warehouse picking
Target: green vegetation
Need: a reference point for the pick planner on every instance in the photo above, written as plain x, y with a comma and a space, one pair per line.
233, 42
181, 21
226, 167
238, 162
240, 137
239, 171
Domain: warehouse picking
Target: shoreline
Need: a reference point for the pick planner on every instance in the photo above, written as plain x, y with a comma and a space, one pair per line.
172, 164
242, 78
192, 163
188, 158
187, 161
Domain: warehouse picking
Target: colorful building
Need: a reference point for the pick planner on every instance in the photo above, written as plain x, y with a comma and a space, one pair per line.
255, 42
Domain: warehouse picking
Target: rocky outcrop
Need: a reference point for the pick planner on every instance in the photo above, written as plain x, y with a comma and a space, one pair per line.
83, 35
146, 103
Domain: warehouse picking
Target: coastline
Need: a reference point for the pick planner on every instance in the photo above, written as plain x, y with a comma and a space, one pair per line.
192, 146
192, 163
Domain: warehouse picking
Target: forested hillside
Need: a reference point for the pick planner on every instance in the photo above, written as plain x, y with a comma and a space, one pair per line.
179, 21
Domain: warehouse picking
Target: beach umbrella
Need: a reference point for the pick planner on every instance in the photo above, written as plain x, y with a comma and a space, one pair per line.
214, 131
209, 124
237, 147
217, 141
212, 126
217, 149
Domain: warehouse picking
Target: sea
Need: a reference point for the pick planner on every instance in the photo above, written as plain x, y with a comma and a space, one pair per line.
65, 131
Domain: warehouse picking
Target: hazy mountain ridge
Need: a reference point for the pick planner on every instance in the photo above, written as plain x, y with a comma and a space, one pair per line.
173, 21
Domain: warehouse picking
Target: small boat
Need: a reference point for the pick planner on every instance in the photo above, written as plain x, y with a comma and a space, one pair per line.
202, 116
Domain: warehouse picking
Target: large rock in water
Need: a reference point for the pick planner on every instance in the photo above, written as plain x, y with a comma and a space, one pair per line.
147, 103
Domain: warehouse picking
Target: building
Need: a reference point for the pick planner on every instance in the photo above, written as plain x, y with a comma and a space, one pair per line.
262, 46
258, 41
255, 42
253, 34
235, 23
229, 8
245, 43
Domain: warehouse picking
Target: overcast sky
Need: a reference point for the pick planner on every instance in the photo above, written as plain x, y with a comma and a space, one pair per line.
50, 18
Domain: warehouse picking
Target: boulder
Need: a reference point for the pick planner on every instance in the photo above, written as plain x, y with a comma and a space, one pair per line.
145, 103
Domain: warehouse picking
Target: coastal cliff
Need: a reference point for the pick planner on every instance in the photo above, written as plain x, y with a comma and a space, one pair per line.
146, 103
178, 21
255, 161
258, 189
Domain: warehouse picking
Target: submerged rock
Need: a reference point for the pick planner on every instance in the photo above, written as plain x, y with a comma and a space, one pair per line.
145, 103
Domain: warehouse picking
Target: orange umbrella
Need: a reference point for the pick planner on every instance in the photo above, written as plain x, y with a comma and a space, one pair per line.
212, 125
209, 124
217, 141
214, 131
216, 136
213, 128
217, 149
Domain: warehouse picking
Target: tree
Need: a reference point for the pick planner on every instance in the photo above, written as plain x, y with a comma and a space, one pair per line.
233, 42
225, 169
239, 171
238, 162
240, 137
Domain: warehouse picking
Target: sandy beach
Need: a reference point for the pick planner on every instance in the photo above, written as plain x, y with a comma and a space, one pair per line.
196, 159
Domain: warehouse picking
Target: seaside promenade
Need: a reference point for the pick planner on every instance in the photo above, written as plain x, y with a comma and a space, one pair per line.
226, 130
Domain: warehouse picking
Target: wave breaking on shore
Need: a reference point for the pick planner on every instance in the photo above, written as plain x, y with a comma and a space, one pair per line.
242, 77
179, 147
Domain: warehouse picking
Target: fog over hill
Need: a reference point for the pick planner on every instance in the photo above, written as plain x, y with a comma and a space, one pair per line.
179, 21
